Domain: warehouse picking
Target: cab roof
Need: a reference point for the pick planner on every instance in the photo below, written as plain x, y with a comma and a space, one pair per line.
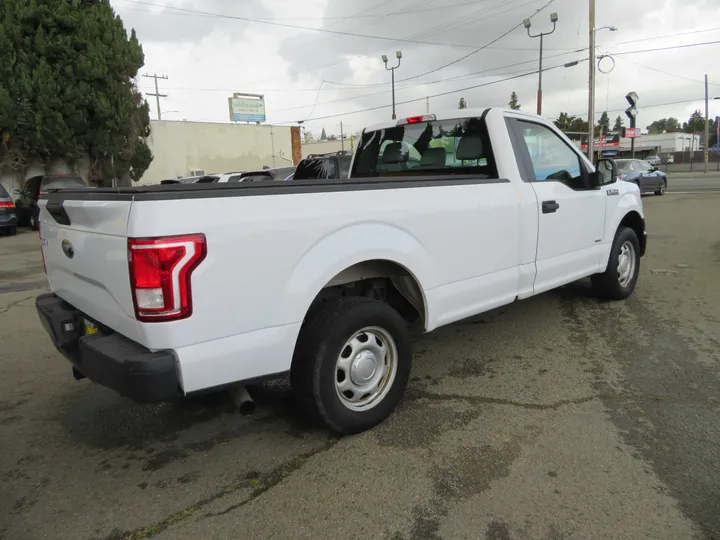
452, 114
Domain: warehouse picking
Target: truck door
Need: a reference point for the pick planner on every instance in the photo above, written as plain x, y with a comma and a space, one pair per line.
571, 213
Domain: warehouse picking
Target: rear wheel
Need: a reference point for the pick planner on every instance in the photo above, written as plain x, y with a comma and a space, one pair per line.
34, 224
662, 189
352, 363
620, 277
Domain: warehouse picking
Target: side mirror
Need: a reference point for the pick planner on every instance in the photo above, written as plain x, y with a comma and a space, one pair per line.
17, 192
605, 172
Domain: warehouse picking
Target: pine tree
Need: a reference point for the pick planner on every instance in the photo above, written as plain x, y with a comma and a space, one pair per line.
67, 89
462, 104
514, 105
323, 135
618, 124
604, 123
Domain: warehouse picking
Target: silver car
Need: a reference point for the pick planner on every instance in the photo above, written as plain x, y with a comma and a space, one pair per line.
653, 160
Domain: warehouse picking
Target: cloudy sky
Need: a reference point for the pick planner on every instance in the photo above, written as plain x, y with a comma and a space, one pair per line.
319, 60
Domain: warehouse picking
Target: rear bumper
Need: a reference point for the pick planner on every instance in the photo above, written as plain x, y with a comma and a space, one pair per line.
8, 219
107, 358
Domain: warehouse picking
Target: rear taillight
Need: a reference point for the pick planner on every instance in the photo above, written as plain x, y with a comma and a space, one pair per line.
7, 204
160, 271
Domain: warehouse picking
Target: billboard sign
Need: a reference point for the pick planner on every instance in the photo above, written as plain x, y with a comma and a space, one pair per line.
632, 133
247, 108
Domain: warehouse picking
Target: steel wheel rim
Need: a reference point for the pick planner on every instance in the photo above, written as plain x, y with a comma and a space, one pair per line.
663, 187
626, 263
366, 368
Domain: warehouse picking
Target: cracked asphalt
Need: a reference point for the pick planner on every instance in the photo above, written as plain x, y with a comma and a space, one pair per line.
556, 418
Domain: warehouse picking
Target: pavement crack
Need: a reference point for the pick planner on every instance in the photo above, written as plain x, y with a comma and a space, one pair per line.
259, 485
15, 304
497, 401
615, 397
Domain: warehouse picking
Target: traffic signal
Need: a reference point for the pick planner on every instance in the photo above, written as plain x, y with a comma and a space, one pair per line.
631, 112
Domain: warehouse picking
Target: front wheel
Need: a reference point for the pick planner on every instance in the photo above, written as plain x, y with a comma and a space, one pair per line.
662, 189
621, 275
352, 363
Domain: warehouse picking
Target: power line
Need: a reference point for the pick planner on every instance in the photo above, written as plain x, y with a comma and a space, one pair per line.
298, 27
434, 95
666, 48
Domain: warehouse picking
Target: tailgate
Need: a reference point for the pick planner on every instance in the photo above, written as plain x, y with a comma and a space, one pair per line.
84, 244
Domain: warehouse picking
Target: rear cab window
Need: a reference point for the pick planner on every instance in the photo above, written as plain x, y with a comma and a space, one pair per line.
421, 148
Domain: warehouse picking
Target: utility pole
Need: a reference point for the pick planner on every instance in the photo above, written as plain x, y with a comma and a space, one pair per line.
157, 95
707, 125
427, 105
342, 138
591, 82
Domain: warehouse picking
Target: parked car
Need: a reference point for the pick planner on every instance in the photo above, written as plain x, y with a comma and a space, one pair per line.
653, 160
324, 166
324, 278
185, 180
280, 173
8, 216
26, 204
220, 178
648, 178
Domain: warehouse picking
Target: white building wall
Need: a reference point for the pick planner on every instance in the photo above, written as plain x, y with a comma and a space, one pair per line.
181, 147
324, 147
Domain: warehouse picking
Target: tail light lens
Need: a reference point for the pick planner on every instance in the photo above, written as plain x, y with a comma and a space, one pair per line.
160, 271
7, 204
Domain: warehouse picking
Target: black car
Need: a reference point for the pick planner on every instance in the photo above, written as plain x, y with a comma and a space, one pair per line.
26, 204
8, 216
324, 166
280, 173
649, 178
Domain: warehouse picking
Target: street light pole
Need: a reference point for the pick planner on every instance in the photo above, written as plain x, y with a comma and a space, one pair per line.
398, 54
707, 125
527, 24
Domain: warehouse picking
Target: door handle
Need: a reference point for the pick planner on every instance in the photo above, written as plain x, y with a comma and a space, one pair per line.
549, 207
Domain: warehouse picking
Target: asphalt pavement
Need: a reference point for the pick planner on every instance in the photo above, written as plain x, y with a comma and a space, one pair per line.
556, 418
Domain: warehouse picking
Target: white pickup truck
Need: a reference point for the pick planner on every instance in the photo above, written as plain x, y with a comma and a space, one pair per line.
167, 291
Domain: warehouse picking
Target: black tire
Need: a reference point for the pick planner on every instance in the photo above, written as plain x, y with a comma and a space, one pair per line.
34, 223
661, 191
12, 231
315, 373
608, 285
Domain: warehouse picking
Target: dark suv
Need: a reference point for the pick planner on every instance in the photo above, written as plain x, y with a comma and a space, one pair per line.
8, 217
324, 166
26, 204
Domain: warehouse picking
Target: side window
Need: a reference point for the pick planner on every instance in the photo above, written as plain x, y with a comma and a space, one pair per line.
642, 166
234, 179
551, 157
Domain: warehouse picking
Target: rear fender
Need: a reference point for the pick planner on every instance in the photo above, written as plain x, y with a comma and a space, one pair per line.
349, 246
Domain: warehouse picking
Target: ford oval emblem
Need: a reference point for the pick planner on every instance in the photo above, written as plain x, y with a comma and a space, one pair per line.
68, 249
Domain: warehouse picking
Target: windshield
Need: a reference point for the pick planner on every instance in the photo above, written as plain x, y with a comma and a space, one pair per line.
59, 182
623, 164
449, 147
3, 192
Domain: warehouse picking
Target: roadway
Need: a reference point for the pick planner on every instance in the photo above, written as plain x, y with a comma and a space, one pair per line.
559, 417
694, 182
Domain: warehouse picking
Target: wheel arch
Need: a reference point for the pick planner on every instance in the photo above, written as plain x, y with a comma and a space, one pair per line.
635, 221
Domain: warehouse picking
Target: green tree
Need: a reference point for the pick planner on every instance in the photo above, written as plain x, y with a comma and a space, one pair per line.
696, 123
323, 135
67, 88
566, 122
604, 123
618, 124
462, 104
665, 124
514, 105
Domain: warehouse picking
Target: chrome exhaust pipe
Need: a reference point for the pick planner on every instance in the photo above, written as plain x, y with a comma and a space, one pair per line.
242, 400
